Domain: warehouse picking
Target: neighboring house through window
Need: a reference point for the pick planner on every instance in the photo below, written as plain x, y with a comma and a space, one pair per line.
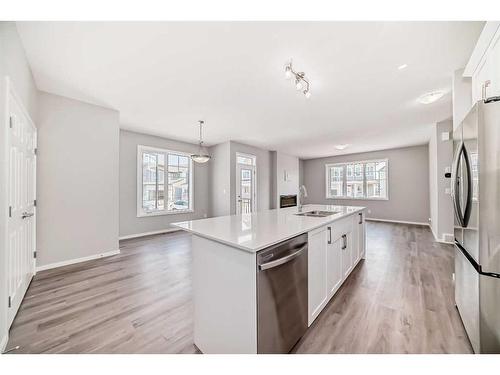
357, 180
164, 181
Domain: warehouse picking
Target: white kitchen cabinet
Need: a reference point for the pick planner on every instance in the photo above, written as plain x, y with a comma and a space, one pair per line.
334, 262
484, 64
317, 272
334, 251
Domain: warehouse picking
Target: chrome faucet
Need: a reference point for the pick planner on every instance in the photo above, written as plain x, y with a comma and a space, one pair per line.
302, 195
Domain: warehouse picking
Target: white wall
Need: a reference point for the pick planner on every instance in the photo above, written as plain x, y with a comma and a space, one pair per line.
13, 63
130, 224
77, 189
462, 96
440, 157
408, 183
281, 163
220, 180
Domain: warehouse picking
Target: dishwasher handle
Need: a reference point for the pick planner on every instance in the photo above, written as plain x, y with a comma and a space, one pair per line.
280, 261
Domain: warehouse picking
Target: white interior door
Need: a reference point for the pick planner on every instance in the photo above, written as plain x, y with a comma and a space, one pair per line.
245, 189
21, 239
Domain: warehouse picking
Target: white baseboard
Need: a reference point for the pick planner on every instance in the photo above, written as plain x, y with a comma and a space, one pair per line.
438, 239
397, 221
3, 343
137, 235
77, 260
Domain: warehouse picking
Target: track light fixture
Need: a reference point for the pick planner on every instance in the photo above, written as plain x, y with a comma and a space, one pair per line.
301, 83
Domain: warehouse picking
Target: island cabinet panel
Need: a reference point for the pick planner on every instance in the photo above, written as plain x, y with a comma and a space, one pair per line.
317, 268
225, 298
361, 236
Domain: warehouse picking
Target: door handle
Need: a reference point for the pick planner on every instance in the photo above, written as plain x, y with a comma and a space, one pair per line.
280, 261
360, 218
344, 245
24, 215
329, 235
455, 184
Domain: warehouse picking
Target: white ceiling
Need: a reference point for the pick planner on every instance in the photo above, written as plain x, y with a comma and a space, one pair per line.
164, 76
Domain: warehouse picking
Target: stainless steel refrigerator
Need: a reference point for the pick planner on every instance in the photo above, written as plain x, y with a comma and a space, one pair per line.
476, 200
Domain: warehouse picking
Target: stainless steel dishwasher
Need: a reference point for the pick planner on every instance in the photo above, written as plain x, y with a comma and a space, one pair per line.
282, 295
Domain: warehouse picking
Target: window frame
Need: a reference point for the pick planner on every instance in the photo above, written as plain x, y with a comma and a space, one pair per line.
140, 210
344, 180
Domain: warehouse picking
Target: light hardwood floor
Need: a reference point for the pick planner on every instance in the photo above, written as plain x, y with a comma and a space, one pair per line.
400, 300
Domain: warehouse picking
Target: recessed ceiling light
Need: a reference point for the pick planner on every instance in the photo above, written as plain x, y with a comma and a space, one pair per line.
430, 97
404, 66
341, 147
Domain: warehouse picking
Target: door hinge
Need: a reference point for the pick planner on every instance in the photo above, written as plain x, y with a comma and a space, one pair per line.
10, 301
35, 151
11, 122
34, 254
34, 203
10, 211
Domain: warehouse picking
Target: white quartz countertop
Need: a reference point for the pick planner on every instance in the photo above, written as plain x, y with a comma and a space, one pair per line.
256, 231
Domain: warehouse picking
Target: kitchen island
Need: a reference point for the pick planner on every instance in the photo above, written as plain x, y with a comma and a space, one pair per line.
235, 311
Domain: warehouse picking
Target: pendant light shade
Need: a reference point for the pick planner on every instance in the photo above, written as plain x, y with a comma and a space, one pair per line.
201, 156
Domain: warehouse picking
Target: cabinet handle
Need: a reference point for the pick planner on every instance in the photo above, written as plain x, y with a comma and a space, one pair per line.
329, 235
485, 86
360, 218
344, 237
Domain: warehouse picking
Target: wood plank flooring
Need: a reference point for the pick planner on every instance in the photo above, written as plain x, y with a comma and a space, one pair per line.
400, 300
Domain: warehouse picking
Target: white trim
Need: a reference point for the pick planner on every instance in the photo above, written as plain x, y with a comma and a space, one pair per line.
140, 212
344, 182
482, 46
137, 235
397, 221
438, 239
77, 260
3, 343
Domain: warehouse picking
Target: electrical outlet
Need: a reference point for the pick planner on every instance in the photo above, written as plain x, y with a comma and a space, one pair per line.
447, 191
369, 211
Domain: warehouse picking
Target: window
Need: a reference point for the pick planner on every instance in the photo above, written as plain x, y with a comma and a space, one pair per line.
358, 180
164, 182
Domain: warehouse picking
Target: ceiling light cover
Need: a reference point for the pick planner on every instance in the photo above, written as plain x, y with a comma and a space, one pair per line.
431, 97
404, 66
341, 147
201, 156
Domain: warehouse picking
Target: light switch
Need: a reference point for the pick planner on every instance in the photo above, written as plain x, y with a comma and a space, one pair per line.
445, 136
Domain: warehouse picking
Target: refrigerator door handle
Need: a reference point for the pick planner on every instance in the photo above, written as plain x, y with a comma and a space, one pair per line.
468, 205
455, 183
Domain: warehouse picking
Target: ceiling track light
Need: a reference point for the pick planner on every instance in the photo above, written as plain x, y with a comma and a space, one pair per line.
301, 83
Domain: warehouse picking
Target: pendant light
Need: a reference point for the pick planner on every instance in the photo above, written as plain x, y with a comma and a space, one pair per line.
200, 157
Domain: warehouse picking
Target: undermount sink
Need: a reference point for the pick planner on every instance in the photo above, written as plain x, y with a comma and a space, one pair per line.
318, 213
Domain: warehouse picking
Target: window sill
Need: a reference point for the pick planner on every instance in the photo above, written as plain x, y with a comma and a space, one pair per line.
162, 213
358, 199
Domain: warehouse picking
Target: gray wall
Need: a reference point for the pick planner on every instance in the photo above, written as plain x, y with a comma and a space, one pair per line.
13, 63
408, 183
77, 185
440, 157
130, 224
220, 180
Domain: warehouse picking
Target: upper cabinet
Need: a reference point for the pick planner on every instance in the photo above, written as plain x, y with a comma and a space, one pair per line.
484, 64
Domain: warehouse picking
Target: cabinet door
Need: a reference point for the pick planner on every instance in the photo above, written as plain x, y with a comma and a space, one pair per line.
317, 272
494, 68
354, 243
346, 253
361, 236
334, 263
